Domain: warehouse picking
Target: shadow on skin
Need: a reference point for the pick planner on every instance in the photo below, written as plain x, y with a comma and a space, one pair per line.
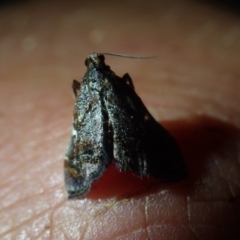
199, 138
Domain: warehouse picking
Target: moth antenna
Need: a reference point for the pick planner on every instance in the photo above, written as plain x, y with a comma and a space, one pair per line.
128, 56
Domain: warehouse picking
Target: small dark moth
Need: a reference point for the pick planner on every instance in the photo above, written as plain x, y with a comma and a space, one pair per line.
110, 122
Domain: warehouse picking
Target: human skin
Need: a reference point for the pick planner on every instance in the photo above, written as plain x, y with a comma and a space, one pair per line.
192, 89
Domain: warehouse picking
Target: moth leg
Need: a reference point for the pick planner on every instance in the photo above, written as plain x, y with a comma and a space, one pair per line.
126, 77
75, 87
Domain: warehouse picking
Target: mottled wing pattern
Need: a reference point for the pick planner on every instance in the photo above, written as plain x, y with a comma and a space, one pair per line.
141, 144
89, 151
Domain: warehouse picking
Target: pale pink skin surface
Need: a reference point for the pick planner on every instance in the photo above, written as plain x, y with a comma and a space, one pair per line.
192, 88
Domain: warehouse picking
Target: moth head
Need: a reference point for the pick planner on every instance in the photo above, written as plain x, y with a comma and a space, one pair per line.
95, 59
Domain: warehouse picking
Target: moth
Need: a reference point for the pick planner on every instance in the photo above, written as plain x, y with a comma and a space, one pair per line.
111, 123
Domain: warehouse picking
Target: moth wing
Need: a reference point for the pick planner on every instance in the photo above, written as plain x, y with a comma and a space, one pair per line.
141, 144
89, 153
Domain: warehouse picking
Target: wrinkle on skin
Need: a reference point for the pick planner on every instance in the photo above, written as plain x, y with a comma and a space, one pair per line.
192, 88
